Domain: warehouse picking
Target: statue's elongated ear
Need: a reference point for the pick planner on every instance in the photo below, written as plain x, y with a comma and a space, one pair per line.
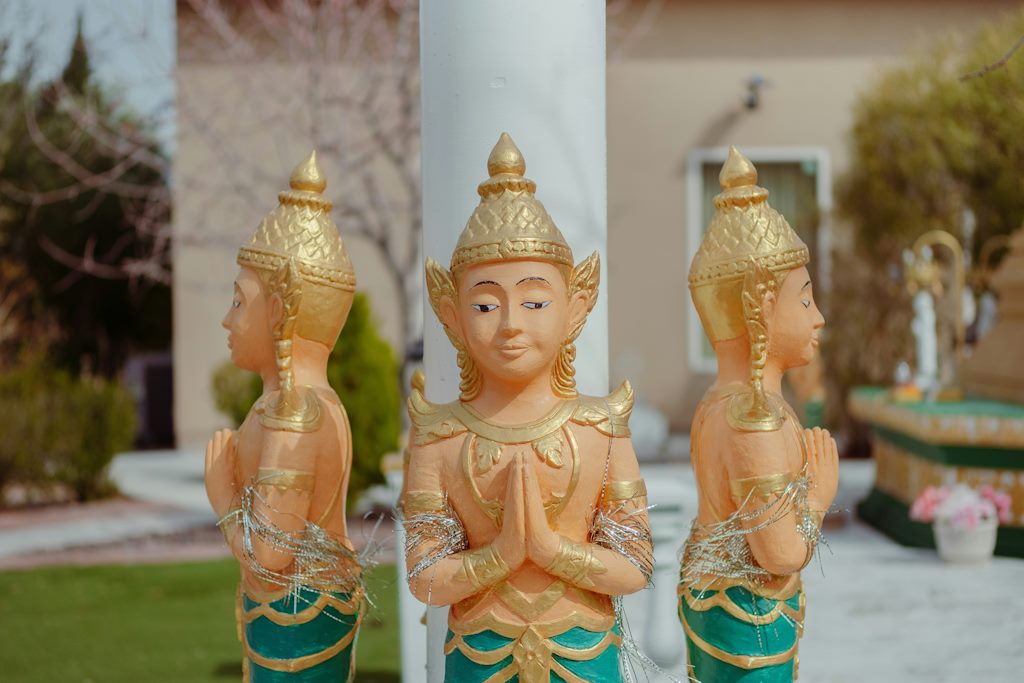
443, 299
442, 295
285, 295
439, 285
584, 280
758, 293
754, 412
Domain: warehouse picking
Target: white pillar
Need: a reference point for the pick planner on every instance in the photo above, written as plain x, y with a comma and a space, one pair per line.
535, 69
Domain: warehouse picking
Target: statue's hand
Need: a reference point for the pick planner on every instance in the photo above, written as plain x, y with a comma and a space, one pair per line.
823, 463
511, 540
541, 541
219, 477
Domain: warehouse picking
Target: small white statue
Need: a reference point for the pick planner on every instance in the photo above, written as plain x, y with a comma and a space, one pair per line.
926, 341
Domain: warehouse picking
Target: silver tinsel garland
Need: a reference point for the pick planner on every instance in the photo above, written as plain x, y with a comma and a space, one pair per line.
320, 562
628, 533
432, 536
721, 549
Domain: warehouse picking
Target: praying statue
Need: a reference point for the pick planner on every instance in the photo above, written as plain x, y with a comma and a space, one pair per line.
764, 482
278, 483
523, 505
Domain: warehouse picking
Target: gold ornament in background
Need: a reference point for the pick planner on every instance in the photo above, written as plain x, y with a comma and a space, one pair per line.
299, 255
511, 224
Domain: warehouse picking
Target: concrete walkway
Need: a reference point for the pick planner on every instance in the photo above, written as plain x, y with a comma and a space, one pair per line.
168, 498
877, 611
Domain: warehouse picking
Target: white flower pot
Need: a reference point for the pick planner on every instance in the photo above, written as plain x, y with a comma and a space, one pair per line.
956, 544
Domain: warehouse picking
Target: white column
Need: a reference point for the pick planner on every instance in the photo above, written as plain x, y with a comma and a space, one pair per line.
535, 69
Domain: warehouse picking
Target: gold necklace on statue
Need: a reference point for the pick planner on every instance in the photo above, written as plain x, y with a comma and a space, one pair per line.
483, 446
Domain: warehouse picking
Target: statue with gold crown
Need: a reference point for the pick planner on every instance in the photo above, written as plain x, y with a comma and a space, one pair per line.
764, 482
523, 504
278, 484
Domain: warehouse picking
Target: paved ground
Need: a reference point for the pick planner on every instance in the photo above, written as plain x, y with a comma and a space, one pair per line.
876, 611
165, 498
163, 517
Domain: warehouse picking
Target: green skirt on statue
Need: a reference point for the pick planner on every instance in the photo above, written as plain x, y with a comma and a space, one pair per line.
568, 657
737, 636
309, 639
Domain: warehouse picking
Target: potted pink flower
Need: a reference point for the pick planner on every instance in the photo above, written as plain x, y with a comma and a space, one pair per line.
964, 520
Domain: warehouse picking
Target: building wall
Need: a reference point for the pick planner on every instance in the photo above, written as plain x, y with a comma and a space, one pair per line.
674, 87
679, 87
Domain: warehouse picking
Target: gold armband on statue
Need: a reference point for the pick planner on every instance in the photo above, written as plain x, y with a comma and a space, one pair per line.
423, 502
483, 567
575, 562
285, 480
625, 490
764, 487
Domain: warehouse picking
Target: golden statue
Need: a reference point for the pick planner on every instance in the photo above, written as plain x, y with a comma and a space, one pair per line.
278, 484
523, 505
764, 482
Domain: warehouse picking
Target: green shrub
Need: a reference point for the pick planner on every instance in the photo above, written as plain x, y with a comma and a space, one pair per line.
96, 421
363, 371
234, 391
59, 429
25, 399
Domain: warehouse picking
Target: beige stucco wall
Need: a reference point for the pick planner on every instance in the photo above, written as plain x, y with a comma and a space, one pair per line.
675, 87
679, 88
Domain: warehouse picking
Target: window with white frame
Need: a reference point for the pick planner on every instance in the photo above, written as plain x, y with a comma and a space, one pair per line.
799, 184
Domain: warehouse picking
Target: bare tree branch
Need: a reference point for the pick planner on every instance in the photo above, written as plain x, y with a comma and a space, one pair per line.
998, 64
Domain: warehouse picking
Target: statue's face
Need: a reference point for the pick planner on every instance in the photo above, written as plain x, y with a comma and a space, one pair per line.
794, 321
250, 324
513, 317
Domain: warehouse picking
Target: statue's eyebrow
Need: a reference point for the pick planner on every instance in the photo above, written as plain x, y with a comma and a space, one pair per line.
806, 285
486, 282
536, 278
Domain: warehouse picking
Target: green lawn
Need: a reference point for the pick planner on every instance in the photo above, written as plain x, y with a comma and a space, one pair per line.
152, 624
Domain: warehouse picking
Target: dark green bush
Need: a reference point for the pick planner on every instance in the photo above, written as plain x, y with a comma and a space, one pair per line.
96, 421
363, 370
59, 429
234, 391
25, 399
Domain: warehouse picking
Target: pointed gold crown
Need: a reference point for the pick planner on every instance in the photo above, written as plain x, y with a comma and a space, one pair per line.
509, 222
744, 229
300, 231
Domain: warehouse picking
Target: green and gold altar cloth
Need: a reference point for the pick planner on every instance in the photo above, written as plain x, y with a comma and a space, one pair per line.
576, 655
737, 636
921, 444
308, 638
